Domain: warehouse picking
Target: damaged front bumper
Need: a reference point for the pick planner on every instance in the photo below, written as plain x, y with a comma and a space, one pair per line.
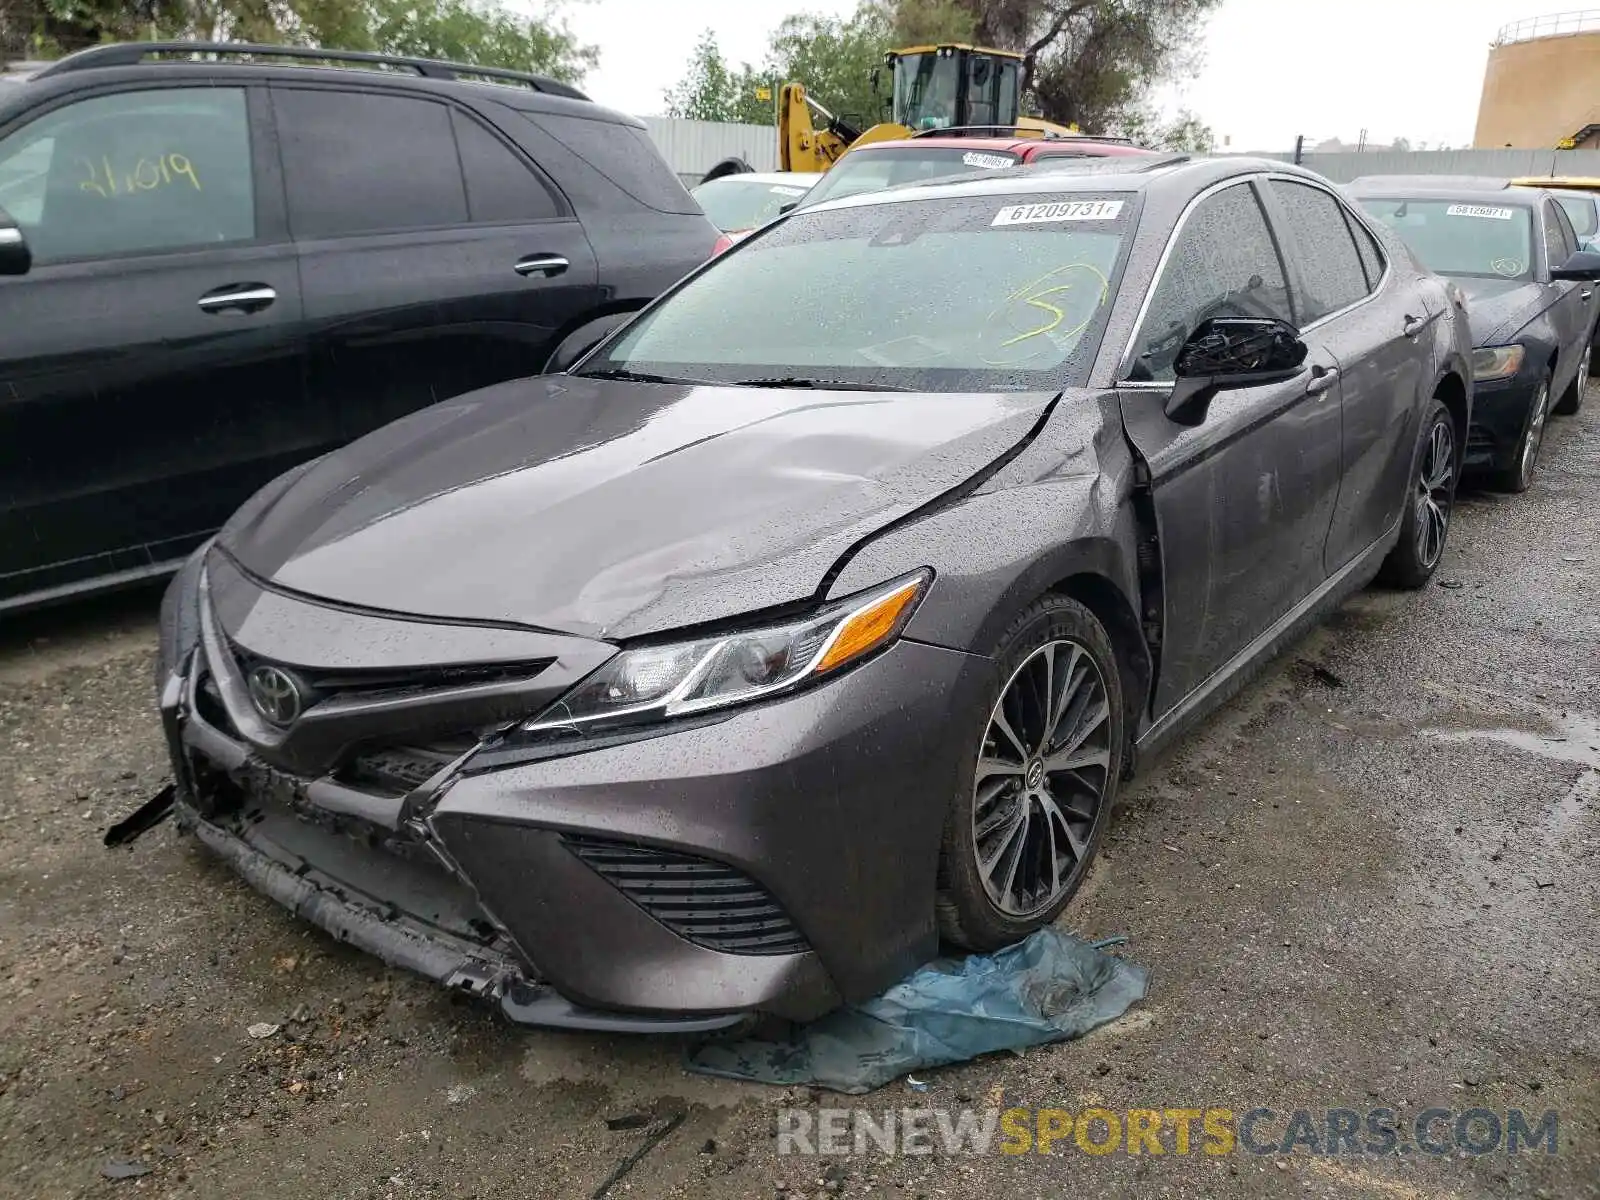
325, 853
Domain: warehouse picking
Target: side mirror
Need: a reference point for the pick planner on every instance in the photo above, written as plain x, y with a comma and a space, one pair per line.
584, 339
1582, 266
15, 257
1227, 352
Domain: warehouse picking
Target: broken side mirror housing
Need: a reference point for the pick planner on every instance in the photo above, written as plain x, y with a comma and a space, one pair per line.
1229, 352
15, 257
1583, 266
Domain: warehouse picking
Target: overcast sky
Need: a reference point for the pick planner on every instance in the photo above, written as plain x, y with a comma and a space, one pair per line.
1273, 68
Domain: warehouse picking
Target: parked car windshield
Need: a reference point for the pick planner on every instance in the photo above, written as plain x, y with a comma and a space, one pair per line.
988, 293
1462, 237
871, 170
733, 204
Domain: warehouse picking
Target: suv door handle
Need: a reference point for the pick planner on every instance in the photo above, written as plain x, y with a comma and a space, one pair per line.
1322, 378
547, 265
237, 297
1586, 294
1414, 325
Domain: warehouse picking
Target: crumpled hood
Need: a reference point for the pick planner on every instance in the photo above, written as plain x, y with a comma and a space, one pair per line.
1497, 308
612, 509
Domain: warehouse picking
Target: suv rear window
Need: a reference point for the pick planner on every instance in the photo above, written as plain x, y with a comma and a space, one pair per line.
624, 154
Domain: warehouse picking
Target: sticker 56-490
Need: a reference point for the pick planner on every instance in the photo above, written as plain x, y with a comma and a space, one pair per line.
1068, 210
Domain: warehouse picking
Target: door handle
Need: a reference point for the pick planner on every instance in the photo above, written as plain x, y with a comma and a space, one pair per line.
237, 297
547, 265
1322, 378
1414, 325
1586, 294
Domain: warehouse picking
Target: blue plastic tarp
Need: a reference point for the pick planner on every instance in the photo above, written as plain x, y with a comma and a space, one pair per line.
1048, 988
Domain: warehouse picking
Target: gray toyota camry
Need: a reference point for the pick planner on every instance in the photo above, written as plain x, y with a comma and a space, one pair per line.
816, 614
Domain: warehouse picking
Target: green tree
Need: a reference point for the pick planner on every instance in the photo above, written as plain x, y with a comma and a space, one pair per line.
836, 60
1185, 133
711, 90
483, 32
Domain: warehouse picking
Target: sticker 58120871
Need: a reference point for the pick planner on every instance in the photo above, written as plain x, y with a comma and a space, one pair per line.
1478, 210
1066, 210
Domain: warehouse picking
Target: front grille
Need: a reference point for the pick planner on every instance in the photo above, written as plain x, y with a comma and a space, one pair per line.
380, 682
396, 770
704, 902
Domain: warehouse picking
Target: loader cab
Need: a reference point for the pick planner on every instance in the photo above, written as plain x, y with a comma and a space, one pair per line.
942, 87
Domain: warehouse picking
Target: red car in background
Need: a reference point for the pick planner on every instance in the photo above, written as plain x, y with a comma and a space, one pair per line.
936, 154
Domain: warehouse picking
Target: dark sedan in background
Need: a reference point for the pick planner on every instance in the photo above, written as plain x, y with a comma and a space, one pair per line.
1530, 296
731, 669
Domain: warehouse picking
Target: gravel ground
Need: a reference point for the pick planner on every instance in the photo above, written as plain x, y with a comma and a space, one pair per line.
1371, 881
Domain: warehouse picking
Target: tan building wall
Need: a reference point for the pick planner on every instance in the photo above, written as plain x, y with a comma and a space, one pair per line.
1539, 91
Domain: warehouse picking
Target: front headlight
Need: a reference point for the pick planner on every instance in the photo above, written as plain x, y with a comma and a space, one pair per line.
1496, 362
651, 683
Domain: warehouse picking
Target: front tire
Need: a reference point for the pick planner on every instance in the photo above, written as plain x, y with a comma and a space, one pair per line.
1517, 476
1031, 809
1426, 521
1572, 399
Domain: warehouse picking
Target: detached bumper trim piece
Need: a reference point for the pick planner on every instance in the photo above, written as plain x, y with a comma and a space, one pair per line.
403, 943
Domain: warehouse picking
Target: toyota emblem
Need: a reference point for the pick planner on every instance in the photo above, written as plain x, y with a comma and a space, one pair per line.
275, 695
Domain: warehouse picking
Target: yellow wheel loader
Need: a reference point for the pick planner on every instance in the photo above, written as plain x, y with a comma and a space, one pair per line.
950, 87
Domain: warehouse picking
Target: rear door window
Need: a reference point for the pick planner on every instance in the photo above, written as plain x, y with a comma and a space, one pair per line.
131, 173
1372, 257
361, 162
1223, 264
1560, 244
1580, 211
1331, 276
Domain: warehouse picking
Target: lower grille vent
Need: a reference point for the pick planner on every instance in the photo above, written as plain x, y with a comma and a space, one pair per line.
704, 902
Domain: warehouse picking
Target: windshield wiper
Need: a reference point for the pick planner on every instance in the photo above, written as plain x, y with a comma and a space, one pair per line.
831, 385
637, 376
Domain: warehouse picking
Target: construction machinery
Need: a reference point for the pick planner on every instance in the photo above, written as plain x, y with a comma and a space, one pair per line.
951, 86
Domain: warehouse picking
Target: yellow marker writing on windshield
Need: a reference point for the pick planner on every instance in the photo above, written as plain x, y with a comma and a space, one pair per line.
1035, 295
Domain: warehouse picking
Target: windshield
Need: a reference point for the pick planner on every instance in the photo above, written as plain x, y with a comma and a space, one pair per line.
871, 170
925, 90
1580, 211
733, 204
1458, 237
978, 294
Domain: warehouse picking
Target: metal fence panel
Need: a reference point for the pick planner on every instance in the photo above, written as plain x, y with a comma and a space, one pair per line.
692, 148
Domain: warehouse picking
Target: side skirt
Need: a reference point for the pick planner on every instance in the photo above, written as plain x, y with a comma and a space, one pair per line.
1229, 679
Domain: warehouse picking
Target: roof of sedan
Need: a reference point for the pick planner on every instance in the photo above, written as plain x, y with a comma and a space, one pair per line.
1014, 143
775, 178
1119, 174
1440, 185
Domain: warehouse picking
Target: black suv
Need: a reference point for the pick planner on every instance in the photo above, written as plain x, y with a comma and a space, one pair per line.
219, 263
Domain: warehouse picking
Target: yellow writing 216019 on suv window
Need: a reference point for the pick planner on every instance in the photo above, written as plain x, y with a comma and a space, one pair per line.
146, 175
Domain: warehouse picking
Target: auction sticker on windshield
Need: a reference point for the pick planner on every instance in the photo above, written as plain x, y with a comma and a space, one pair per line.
993, 162
1478, 210
1071, 210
